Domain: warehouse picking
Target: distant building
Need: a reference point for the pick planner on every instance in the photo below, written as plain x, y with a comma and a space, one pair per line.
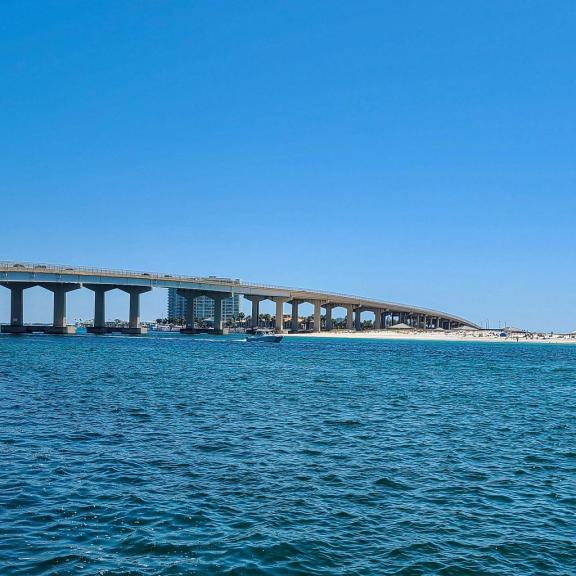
178, 305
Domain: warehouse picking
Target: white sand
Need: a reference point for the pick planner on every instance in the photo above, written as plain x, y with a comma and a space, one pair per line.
443, 336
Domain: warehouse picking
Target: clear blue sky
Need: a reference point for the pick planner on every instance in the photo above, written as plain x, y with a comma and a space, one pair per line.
421, 152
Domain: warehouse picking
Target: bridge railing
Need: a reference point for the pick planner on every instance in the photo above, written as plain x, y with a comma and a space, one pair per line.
64, 269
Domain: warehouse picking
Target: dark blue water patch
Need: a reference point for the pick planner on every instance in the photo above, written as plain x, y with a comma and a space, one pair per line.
178, 455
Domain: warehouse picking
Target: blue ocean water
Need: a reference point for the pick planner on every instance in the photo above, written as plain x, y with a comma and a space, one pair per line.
178, 455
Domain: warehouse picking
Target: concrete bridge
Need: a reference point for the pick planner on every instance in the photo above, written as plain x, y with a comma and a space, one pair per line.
60, 280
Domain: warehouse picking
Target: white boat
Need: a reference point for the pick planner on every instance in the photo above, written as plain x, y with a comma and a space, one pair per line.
264, 336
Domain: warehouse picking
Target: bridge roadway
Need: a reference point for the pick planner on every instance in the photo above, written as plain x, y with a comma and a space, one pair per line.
60, 280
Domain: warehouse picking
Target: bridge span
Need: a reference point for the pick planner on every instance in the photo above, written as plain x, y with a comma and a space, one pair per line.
60, 280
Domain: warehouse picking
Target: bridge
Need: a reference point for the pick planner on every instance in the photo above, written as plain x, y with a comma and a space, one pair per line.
60, 280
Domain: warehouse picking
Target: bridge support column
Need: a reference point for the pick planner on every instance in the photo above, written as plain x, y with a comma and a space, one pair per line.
190, 297
217, 298
317, 315
59, 325
17, 306
329, 323
280, 314
294, 321
190, 304
16, 325
377, 319
350, 317
134, 319
254, 317
99, 290
358, 319
218, 319
99, 309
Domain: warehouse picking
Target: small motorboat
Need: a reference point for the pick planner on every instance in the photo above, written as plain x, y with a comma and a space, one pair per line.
264, 336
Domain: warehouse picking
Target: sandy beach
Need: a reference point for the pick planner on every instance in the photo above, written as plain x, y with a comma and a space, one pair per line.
445, 336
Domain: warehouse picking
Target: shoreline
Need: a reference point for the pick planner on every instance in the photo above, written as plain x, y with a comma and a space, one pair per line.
431, 336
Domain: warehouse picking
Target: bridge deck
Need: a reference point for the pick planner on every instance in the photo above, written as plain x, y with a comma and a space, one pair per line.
48, 273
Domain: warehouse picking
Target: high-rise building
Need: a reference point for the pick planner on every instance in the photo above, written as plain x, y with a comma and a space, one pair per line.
178, 305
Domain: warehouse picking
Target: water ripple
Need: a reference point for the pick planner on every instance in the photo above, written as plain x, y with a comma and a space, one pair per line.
176, 455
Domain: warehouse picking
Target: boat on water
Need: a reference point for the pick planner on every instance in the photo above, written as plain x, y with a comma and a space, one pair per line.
263, 336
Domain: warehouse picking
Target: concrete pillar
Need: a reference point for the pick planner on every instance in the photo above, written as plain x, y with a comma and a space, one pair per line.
99, 290
134, 292
317, 315
59, 308
255, 309
99, 309
99, 304
216, 297
59, 325
134, 321
190, 303
255, 313
17, 303
17, 306
190, 297
328, 308
349, 316
280, 314
294, 324
218, 321
377, 319
358, 319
